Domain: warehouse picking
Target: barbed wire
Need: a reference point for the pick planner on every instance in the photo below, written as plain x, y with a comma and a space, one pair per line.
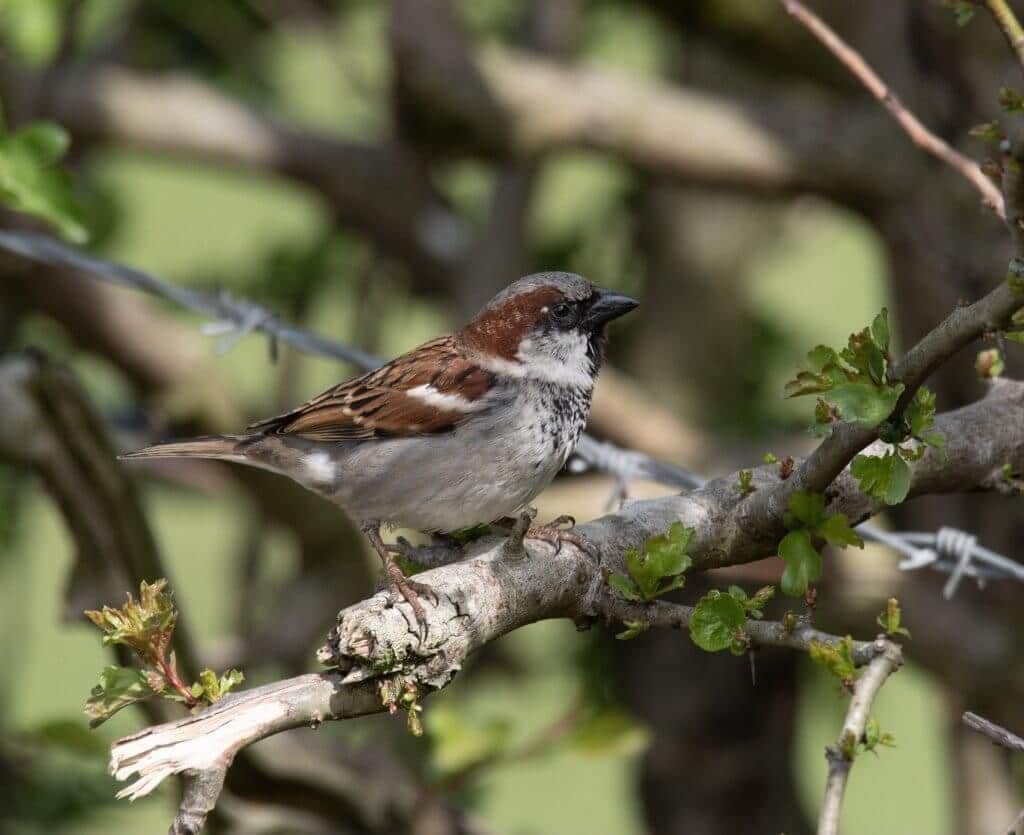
949, 550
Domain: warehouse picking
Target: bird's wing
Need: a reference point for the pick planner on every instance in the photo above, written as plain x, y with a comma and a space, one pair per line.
426, 391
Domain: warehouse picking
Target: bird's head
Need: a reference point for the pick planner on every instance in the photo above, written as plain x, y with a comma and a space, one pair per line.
547, 326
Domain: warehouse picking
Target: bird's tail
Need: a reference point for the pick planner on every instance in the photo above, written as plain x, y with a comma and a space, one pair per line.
223, 447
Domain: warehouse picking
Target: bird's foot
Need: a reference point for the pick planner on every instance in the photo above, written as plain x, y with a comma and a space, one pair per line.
402, 587
559, 531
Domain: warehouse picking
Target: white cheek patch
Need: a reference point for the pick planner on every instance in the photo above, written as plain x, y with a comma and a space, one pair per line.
320, 466
561, 359
441, 400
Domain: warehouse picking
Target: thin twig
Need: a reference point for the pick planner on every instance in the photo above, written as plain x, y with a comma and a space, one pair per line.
1007, 21
997, 733
841, 755
918, 133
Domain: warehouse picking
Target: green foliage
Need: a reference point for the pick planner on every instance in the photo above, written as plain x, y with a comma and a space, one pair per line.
118, 687
770, 458
989, 364
963, 10
806, 518
874, 736
632, 630
717, 622
470, 534
803, 563
399, 693
1015, 276
837, 658
657, 569
987, 131
852, 383
887, 477
1010, 100
754, 606
1014, 336
32, 182
146, 626
889, 620
743, 484
718, 619
211, 689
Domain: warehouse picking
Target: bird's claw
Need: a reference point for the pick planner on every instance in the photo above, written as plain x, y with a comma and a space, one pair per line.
555, 534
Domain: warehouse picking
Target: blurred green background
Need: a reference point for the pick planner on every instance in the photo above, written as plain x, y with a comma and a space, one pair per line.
740, 282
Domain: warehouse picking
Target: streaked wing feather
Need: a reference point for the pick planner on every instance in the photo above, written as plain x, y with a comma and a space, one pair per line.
378, 404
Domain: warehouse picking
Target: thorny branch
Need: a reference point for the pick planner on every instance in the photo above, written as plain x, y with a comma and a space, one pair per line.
887, 659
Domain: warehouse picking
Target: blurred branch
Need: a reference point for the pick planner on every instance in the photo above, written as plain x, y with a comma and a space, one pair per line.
48, 424
918, 133
840, 756
997, 733
1010, 26
181, 115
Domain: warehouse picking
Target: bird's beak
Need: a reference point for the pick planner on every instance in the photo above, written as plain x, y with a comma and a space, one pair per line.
607, 306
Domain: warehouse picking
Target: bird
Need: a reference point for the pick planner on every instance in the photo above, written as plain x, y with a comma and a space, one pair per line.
466, 429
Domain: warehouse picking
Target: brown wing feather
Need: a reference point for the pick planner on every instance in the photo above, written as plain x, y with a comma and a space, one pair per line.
378, 404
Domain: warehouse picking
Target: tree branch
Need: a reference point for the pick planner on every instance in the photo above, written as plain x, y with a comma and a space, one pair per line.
1010, 26
498, 587
918, 133
887, 660
997, 733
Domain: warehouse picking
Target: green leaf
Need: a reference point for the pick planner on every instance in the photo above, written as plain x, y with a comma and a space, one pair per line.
963, 10
470, 534
146, 625
889, 620
837, 658
770, 458
885, 478
659, 567
836, 531
624, 586
989, 364
920, 414
118, 687
805, 509
873, 736
632, 630
31, 181
753, 606
716, 621
803, 562
1014, 336
211, 688
1011, 100
880, 331
863, 402
987, 131
743, 484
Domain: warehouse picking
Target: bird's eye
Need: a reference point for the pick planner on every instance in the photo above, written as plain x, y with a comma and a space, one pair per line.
561, 312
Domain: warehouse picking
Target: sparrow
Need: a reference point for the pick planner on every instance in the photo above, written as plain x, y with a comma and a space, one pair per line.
464, 430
